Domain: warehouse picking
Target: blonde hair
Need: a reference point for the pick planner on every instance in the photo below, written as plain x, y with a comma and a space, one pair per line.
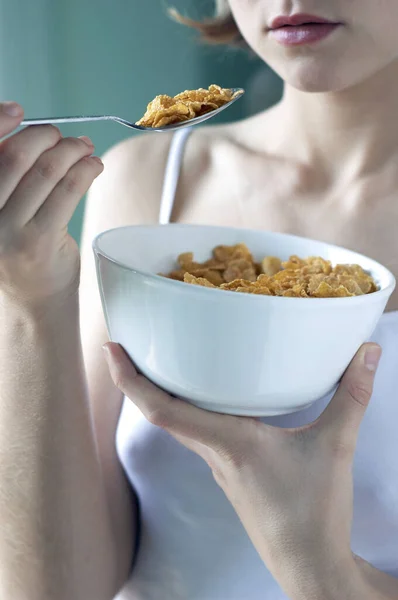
220, 29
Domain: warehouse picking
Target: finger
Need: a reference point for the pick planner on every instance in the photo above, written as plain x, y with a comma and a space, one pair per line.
11, 114
181, 419
50, 168
20, 152
60, 205
344, 414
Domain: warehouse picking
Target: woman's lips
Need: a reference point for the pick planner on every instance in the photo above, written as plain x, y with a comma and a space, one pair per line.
300, 29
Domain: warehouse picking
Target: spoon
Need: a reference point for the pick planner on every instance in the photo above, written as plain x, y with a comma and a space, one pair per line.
195, 121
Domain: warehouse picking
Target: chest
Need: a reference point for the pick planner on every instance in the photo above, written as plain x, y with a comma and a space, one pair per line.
362, 216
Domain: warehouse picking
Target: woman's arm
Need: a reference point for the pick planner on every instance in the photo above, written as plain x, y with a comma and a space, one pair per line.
291, 488
66, 513
56, 539
356, 580
383, 586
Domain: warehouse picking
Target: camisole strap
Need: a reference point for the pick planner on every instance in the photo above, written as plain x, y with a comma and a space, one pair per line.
172, 174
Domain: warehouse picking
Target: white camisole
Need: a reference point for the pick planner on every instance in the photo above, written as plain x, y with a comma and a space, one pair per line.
192, 544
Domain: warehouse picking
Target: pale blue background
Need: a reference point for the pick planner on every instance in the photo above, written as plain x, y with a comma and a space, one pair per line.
113, 56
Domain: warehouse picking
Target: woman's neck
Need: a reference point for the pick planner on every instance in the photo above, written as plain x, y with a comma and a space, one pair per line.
348, 132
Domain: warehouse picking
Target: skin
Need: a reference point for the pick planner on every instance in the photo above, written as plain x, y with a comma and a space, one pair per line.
319, 164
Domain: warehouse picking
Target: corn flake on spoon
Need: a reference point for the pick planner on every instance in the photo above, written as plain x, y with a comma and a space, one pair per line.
235, 94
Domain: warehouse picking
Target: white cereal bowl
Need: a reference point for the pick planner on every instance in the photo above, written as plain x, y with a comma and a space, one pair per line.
223, 351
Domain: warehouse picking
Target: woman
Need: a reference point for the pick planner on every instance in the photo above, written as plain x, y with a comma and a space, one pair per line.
322, 164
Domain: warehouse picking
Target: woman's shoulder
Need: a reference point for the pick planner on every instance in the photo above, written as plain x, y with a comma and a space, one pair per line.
135, 168
133, 176
134, 173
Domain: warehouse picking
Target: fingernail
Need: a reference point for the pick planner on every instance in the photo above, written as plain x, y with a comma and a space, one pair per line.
86, 140
372, 358
106, 351
12, 109
98, 160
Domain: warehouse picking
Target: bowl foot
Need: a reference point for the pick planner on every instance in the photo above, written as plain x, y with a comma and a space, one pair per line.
249, 411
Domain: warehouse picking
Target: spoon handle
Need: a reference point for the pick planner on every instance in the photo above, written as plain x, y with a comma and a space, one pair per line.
51, 120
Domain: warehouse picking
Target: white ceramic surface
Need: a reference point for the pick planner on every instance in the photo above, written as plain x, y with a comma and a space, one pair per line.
223, 351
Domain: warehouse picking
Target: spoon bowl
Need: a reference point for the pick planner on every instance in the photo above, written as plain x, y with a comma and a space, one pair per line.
238, 93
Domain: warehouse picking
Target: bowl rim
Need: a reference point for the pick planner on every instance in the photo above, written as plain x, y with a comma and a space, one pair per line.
387, 290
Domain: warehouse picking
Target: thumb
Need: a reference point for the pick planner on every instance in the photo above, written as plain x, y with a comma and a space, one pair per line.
344, 414
178, 417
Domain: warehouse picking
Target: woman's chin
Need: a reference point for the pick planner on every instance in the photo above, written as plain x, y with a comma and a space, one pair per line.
314, 86
313, 74
316, 79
